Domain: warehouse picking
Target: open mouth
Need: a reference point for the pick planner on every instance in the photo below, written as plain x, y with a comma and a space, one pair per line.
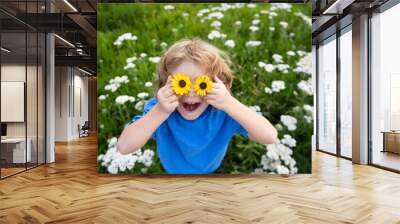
191, 106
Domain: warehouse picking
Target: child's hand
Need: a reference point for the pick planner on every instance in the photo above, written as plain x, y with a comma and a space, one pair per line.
166, 97
219, 97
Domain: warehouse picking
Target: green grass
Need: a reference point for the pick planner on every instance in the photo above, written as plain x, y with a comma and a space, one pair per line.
152, 24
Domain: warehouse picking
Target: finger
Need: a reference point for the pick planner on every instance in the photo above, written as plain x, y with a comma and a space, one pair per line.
210, 98
172, 98
169, 78
168, 92
215, 91
217, 80
175, 104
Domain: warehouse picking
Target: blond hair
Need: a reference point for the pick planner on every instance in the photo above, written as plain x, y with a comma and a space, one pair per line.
213, 60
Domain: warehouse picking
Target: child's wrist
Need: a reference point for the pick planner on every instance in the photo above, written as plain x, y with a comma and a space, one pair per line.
229, 103
161, 111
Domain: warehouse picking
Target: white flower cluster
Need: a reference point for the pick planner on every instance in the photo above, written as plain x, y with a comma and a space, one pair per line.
289, 121
255, 22
267, 67
143, 95
309, 113
278, 159
124, 98
103, 97
215, 34
306, 86
272, 15
116, 162
155, 59
215, 15
253, 43
304, 65
169, 7
267, 90
256, 108
129, 63
283, 24
288, 140
277, 85
130, 60
230, 43
281, 6
305, 18
254, 28
291, 53
284, 68
123, 37
139, 105
116, 82
277, 58
216, 24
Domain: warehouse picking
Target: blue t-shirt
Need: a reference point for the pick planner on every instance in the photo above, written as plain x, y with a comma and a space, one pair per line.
193, 146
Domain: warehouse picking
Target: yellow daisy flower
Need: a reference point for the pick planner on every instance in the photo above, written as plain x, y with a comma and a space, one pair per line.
181, 84
203, 85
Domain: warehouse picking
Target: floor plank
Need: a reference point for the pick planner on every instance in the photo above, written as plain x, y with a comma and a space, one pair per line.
71, 191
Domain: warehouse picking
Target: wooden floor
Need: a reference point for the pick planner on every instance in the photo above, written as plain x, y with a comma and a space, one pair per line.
70, 191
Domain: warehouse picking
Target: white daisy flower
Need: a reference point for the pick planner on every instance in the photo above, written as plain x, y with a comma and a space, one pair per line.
230, 43
169, 7
253, 43
215, 34
255, 22
254, 28
129, 65
268, 90
143, 95
123, 99
288, 140
216, 24
277, 58
289, 121
154, 59
124, 37
306, 86
291, 53
277, 85
304, 65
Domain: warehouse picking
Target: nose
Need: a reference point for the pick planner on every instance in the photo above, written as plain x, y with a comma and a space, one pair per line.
192, 93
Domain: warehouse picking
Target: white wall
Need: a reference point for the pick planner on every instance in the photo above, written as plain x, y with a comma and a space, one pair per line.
385, 70
70, 83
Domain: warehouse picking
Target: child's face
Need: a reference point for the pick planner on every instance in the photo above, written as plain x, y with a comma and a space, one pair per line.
191, 106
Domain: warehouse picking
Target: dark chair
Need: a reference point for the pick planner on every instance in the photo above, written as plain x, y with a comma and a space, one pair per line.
84, 130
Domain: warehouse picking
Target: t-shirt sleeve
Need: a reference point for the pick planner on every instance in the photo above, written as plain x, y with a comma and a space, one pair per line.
147, 107
238, 129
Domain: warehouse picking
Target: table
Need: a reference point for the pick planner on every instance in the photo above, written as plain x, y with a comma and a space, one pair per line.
18, 150
391, 141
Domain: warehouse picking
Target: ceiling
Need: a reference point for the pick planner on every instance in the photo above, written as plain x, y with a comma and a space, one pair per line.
330, 15
74, 22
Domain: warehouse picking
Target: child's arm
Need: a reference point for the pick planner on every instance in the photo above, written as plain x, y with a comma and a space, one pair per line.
258, 127
139, 132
